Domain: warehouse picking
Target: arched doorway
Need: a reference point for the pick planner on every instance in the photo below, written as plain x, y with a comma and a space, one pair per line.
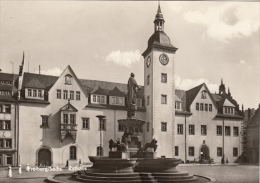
204, 154
44, 157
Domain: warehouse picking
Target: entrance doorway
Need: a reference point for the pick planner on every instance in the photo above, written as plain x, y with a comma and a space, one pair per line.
204, 154
44, 157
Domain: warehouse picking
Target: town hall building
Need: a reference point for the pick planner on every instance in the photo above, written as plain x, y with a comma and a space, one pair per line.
51, 121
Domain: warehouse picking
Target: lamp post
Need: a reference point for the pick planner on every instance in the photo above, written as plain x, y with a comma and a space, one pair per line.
100, 117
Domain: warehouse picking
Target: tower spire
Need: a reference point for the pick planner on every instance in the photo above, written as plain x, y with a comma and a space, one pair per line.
159, 21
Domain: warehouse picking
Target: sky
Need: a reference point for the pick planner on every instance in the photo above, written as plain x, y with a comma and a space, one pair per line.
105, 41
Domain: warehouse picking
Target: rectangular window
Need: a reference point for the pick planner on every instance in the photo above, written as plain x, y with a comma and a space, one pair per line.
102, 125
8, 143
98, 98
139, 102
235, 151
235, 131
147, 126
34, 93
120, 128
201, 107
117, 100
45, 122
148, 100
191, 151
5, 108
176, 150
191, 129
71, 95
1, 125
72, 119
164, 99
40, 93
227, 130
177, 105
94, 98
219, 151
210, 107
65, 119
148, 79
102, 99
112, 100
203, 129
73, 153
164, 78
9, 159
197, 106
1, 143
7, 125
58, 94
121, 102
29, 92
219, 130
77, 95
206, 107
164, 127
85, 123
65, 94
180, 129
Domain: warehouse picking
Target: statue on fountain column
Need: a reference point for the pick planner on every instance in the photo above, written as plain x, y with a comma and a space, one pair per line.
132, 88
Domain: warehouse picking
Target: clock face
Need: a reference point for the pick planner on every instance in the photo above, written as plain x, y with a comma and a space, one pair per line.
148, 61
164, 59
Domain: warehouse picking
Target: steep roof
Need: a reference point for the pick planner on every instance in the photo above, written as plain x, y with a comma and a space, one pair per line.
38, 81
191, 94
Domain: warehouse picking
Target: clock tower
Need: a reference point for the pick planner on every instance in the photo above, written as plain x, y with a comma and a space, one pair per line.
159, 89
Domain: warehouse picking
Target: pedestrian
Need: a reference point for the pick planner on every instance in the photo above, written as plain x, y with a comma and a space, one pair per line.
222, 160
27, 168
20, 169
227, 161
67, 164
79, 162
9, 172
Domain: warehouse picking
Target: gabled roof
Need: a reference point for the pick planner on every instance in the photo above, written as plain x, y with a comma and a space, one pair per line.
191, 94
117, 92
7, 76
34, 83
99, 91
44, 81
69, 107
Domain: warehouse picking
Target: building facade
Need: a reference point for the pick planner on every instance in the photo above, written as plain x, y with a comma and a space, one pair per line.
56, 121
252, 136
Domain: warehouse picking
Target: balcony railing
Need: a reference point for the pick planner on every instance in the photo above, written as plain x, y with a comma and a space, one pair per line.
68, 127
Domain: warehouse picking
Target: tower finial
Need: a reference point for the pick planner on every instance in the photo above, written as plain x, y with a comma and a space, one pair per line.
221, 81
159, 21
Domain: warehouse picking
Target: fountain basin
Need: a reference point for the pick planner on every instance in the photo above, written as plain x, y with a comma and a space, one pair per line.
163, 165
111, 165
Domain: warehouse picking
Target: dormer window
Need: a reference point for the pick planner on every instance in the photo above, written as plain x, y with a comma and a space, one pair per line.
98, 99
178, 105
68, 79
228, 110
34, 93
116, 100
203, 94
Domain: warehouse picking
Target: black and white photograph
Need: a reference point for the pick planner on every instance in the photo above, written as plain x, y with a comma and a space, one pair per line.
129, 91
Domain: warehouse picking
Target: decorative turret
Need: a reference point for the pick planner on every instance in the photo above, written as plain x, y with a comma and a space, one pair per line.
159, 39
222, 88
159, 21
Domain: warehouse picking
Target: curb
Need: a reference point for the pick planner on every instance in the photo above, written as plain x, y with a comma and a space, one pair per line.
206, 177
51, 177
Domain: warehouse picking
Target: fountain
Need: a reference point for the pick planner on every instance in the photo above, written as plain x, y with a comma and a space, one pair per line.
130, 162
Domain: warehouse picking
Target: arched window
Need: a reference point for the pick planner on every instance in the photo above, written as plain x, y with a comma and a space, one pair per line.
68, 79
99, 151
73, 152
